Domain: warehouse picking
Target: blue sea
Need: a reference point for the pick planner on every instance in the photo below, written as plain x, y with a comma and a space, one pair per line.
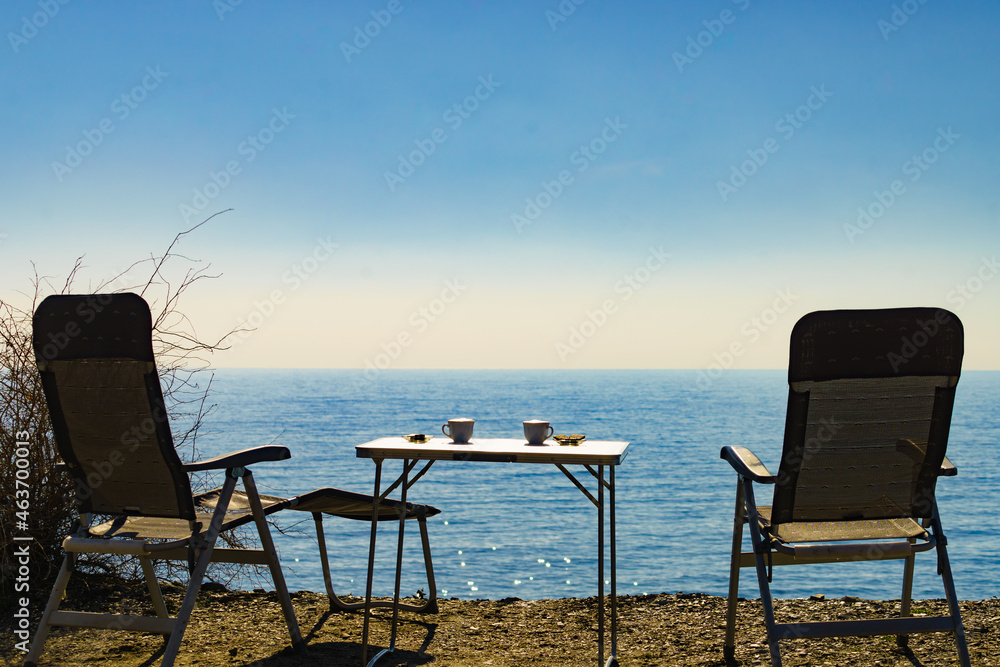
524, 530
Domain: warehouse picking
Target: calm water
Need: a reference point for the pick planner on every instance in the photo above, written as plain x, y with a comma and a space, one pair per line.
524, 530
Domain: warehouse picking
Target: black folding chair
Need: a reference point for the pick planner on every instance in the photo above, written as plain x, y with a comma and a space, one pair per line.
869, 408
110, 424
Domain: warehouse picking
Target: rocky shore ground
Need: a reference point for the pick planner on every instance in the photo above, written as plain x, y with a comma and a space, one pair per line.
247, 628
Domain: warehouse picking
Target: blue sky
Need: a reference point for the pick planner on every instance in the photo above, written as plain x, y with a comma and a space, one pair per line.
511, 185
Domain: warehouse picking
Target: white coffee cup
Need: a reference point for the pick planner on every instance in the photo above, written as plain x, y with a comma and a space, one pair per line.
459, 430
536, 431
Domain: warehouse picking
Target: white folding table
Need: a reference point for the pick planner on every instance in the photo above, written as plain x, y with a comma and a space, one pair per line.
593, 455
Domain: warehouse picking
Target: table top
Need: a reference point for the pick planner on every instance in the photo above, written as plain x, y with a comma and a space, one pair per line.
500, 450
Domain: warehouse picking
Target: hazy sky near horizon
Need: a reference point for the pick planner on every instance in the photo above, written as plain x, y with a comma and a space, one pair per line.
511, 184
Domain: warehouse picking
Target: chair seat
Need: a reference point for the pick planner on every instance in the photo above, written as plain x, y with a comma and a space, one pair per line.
840, 531
358, 506
335, 502
159, 528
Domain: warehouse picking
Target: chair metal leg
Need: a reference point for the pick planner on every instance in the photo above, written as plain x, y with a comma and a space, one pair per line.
277, 576
729, 648
324, 559
154, 587
431, 606
201, 565
55, 598
765, 589
944, 569
905, 599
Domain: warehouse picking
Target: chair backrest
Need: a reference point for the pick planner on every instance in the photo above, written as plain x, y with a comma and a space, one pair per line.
869, 408
95, 356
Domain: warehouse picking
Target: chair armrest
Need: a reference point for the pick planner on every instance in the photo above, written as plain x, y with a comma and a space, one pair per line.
948, 468
747, 464
916, 452
241, 459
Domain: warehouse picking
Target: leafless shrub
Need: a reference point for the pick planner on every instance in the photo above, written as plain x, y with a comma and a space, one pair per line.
183, 360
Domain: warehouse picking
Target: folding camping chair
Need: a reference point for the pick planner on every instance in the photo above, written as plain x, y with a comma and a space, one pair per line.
869, 408
111, 429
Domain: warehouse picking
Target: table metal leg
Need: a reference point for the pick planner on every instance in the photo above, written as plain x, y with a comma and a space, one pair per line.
399, 560
613, 660
600, 565
404, 483
598, 502
371, 564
